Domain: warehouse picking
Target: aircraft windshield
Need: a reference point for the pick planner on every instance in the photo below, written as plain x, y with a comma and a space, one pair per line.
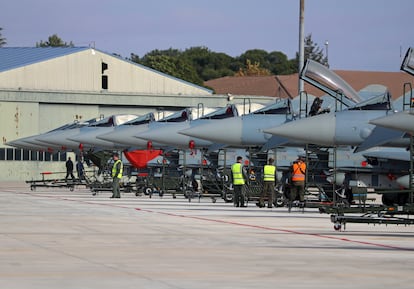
326, 80
107, 121
225, 112
66, 126
179, 116
408, 62
280, 107
201, 111
113, 120
142, 119
380, 102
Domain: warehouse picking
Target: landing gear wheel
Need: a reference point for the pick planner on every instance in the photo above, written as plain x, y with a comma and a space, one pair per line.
228, 198
279, 201
147, 191
337, 226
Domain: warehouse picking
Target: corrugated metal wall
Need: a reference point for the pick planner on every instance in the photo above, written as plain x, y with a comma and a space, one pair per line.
82, 71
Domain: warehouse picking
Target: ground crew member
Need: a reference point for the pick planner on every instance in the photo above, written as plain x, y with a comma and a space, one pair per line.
298, 180
269, 178
80, 169
117, 170
69, 169
239, 177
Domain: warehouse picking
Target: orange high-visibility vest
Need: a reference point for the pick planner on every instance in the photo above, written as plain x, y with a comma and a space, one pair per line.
297, 169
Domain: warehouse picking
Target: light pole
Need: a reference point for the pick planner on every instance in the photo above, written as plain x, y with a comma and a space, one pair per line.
326, 49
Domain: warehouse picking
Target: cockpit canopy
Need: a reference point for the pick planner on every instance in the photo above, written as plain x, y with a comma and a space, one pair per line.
379, 102
328, 81
281, 106
408, 62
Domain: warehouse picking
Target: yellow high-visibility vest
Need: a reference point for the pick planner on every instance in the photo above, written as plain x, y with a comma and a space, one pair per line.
236, 170
120, 169
269, 173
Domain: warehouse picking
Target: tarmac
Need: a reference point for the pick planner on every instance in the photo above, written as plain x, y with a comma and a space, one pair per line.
57, 238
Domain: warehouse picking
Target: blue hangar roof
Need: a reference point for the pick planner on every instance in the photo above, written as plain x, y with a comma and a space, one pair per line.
14, 57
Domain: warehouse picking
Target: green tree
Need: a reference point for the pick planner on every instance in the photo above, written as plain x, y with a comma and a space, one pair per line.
280, 64
199, 64
173, 66
276, 62
2, 40
54, 41
208, 64
312, 51
255, 56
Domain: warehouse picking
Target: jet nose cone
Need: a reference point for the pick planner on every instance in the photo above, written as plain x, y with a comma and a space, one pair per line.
404, 181
400, 121
318, 129
60, 139
227, 131
387, 121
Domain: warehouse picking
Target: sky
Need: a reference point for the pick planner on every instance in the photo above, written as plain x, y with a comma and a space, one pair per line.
370, 35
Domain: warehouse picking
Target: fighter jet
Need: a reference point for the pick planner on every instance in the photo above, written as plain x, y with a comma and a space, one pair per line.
58, 137
87, 135
36, 142
250, 130
30, 144
349, 126
168, 133
403, 120
125, 134
244, 130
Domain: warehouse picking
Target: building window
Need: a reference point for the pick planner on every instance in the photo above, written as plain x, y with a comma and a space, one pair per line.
104, 67
47, 156
62, 156
17, 154
34, 156
26, 155
104, 81
55, 157
9, 154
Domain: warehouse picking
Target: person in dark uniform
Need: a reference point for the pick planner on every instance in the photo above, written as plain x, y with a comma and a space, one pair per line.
69, 169
80, 169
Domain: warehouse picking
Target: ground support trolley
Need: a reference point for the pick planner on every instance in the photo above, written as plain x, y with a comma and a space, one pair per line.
370, 214
58, 182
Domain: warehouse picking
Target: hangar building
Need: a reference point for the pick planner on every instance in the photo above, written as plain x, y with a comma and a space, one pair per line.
44, 88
